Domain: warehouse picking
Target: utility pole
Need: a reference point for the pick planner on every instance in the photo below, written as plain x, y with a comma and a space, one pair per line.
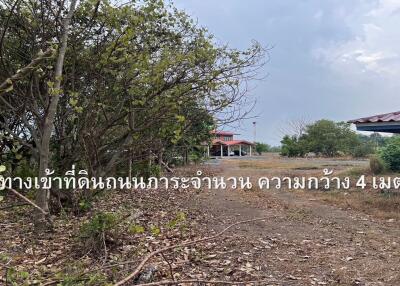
254, 131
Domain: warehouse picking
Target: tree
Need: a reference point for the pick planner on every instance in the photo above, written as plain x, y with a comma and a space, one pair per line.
292, 147
51, 97
134, 82
262, 147
326, 138
391, 153
295, 127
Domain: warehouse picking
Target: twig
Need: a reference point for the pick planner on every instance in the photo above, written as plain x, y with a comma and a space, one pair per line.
105, 246
33, 65
46, 214
171, 272
28, 201
136, 272
166, 166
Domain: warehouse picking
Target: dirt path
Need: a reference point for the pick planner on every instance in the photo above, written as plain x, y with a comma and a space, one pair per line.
303, 241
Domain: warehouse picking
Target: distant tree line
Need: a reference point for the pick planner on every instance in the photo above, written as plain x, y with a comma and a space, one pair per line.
264, 148
328, 138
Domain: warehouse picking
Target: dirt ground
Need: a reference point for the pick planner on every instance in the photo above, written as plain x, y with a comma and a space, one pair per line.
306, 237
305, 241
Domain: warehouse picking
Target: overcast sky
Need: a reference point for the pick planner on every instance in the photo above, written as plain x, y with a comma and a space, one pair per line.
333, 59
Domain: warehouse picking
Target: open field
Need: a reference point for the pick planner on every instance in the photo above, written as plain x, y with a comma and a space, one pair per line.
384, 204
305, 237
319, 238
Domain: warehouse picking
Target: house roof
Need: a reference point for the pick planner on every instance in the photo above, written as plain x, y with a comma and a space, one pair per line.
387, 117
223, 133
231, 142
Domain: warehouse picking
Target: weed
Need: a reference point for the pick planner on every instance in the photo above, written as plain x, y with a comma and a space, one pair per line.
376, 165
136, 229
179, 219
15, 277
96, 234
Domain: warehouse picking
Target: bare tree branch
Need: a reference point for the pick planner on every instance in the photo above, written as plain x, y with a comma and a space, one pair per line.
7, 85
137, 270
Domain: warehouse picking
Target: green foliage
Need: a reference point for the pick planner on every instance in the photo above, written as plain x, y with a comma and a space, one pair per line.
375, 139
145, 169
262, 147
327, 138
17, 278
362, 149
24, 170
94, 234
292, 147
71, 279
376, 164
178, 220
155, 230
98, 224
14, 157
390, 153
136, 229
84, 205
4, 258
142, 77
275, 149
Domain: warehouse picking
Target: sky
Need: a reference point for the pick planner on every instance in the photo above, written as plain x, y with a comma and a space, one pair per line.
331, 59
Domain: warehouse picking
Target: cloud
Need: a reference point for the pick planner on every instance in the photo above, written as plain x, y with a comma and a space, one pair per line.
374, 48
331, 59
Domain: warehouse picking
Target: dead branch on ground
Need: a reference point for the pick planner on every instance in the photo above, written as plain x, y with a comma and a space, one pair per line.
137, 270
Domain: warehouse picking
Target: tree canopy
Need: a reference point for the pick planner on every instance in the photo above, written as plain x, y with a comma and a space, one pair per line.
137, 81
327, 138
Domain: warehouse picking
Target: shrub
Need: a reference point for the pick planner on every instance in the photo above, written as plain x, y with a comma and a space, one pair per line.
391, 153
376, 164
262, 147
326, 138
292, 147
97, 233
145, 169
362, 150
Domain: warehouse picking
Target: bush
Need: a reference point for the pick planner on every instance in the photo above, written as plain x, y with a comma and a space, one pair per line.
391, 153
376, 164
96, 234
275, 149
292, 147
324, 137
362, 150
262, 147
145, 170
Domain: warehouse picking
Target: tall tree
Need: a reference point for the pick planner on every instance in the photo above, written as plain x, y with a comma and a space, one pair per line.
133, 82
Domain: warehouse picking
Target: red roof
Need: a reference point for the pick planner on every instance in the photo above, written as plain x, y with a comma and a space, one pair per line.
387, 117
232, 142
223, 133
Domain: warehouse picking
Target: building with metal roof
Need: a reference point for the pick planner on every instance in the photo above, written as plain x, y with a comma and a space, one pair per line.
223, 144
388, 122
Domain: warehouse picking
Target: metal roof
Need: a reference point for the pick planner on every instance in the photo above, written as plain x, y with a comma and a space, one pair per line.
231, 142
387, 117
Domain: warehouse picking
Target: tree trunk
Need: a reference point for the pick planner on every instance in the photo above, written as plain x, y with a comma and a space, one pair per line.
43, 195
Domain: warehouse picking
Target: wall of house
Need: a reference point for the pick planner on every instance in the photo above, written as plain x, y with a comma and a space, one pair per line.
225, 137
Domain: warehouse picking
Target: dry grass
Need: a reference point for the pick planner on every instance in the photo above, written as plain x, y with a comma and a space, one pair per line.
276, 164
298, 214
380, 205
